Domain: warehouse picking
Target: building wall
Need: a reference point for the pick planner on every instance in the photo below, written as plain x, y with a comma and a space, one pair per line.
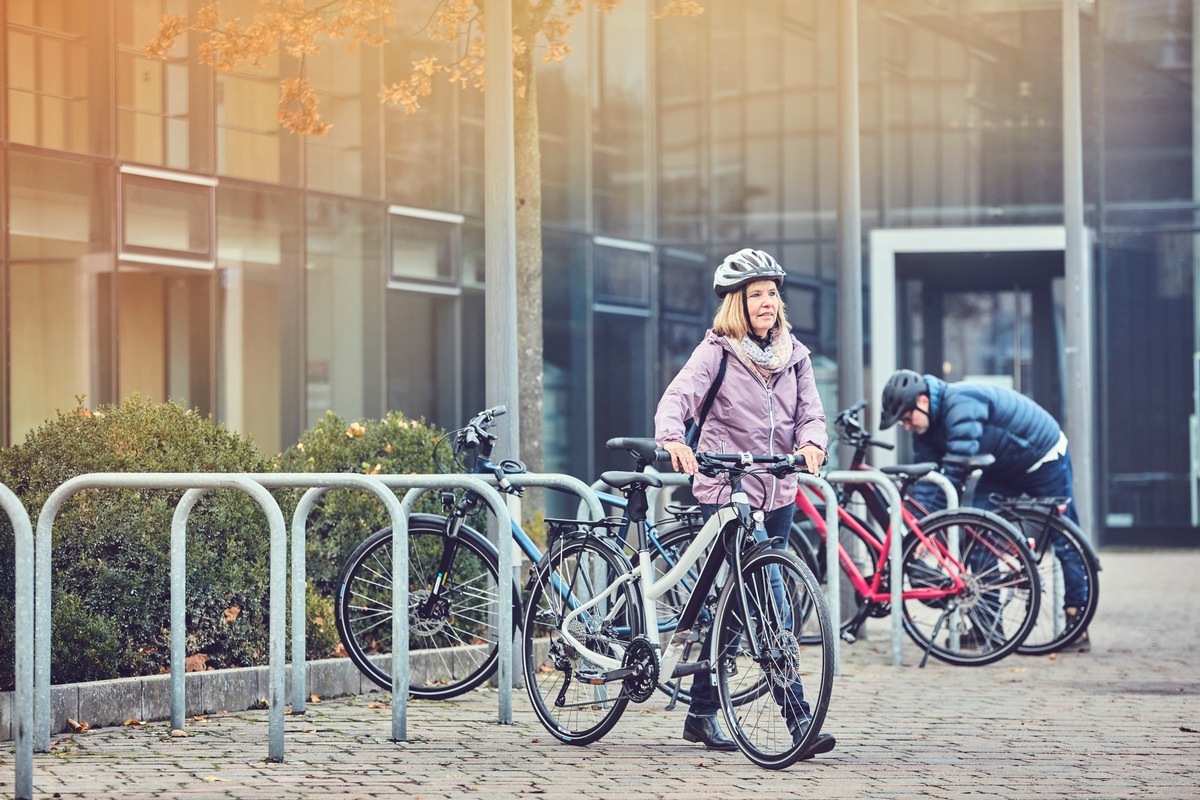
162, 234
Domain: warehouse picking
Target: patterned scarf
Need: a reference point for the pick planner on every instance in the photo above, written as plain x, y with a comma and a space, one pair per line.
771, 359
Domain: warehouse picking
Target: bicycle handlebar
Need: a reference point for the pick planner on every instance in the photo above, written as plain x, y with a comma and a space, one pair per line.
851, 431
712, 463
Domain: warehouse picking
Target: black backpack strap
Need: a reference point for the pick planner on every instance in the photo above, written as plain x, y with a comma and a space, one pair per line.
712, 391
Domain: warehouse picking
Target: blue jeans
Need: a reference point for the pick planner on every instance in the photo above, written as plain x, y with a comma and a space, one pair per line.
778, 523
1052, 479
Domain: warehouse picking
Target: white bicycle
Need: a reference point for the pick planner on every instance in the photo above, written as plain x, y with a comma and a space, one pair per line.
587, 651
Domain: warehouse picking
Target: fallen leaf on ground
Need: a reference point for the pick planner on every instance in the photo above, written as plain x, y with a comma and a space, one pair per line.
315, 698
77, 727
211, 778
178, 733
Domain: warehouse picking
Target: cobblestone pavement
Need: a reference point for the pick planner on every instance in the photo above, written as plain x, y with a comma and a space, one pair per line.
1120, 722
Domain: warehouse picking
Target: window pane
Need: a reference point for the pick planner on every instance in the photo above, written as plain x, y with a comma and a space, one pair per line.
421, 366
166, 217
423, 249
620, 124
155, 97
344, 309
164, 336
59, 290
257, 360
622, 276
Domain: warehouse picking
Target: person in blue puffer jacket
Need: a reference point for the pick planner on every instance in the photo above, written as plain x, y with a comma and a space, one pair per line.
766, 404
968, 418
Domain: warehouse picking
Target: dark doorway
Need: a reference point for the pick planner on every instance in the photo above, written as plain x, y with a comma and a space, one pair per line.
994, 317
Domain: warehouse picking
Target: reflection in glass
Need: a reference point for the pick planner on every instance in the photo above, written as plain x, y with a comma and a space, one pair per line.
421, 365
50, 76
257, 260
167, 217
619, 123
423, 248
344, 309
60, 283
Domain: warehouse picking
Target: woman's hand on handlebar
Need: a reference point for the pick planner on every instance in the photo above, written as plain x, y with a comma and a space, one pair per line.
814, 457
682, 457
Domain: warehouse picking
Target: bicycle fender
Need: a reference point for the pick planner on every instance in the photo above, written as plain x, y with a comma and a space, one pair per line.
763, 545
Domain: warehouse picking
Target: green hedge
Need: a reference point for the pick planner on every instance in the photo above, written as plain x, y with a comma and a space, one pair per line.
111, 550
344, 517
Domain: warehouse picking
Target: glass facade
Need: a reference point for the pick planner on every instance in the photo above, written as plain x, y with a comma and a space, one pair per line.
163, 235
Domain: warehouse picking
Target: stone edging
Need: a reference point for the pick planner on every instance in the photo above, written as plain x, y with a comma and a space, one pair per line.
147, 699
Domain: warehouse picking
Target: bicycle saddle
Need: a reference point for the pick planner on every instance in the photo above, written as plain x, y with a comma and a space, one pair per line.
624, 480
970, 462
910, 470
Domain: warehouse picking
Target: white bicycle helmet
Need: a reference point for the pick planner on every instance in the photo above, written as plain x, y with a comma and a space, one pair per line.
746, 266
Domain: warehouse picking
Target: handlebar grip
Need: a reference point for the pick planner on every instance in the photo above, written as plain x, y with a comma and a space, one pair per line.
883, 445
854, 409
497, 411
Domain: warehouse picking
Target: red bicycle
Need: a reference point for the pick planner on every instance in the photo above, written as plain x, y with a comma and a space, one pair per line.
970, 594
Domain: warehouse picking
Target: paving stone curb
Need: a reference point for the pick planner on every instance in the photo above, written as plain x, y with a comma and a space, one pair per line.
148, 698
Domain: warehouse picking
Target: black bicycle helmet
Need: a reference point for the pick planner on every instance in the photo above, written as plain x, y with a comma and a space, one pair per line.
746, 266
900, 395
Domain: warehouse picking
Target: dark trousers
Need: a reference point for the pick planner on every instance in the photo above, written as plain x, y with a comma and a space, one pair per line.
778, 523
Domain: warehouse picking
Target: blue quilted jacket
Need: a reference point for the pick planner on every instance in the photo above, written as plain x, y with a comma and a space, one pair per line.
972, 418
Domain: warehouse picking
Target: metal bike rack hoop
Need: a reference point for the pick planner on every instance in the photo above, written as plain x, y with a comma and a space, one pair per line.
400, 664
204, 481
833, 573
317, 483
896, 521
23, 641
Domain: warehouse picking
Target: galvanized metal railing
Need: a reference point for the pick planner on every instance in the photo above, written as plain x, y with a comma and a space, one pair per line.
23, 641
148, 480
895, 555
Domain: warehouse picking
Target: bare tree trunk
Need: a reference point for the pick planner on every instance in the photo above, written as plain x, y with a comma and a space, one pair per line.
529, 263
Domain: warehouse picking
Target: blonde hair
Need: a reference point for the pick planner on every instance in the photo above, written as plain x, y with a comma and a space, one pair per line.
730, 319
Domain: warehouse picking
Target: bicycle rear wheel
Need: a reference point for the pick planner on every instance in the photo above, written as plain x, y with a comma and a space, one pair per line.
453, 643
1052, 632
575, 571
759, 619
996, 609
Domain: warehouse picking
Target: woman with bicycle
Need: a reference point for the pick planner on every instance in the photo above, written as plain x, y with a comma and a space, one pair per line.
765, 401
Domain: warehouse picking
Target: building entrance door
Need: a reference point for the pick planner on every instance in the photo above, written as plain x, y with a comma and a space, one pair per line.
986, 317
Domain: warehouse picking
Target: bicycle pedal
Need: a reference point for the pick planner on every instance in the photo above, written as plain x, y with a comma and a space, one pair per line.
848, 637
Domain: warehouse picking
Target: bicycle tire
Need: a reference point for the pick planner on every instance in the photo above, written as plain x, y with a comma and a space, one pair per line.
454, 648
780, 590
997, 607
574, 570
1050, 633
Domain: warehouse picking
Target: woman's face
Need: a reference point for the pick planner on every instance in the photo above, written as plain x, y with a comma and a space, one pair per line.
762, 303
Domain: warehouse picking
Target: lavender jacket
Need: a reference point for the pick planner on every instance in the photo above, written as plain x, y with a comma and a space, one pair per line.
745, 416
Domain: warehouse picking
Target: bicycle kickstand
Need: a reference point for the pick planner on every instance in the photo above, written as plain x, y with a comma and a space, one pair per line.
933, 638
687, 649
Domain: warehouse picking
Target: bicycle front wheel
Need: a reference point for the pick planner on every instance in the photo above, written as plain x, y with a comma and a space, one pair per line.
760, 618
569, 693
1063, 550
453, 640
996, 608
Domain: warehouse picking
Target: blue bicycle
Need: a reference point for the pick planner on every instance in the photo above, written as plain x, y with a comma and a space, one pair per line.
454, 580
